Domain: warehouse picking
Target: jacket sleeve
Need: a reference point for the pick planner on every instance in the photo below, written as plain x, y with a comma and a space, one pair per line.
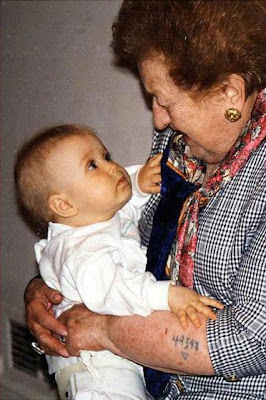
237, 339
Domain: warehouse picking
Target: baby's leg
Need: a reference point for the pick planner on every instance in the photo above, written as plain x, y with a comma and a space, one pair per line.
108, 377
101, 395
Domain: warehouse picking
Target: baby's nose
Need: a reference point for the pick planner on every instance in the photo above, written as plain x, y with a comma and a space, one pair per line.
114, 167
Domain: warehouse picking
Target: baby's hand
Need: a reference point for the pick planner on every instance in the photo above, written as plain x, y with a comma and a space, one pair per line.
185, 303
149, 176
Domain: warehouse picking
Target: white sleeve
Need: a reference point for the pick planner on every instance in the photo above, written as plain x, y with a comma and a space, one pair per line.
107, 288
139, 199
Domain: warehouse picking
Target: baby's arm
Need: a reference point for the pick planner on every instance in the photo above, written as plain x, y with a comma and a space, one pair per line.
106, 287
149, 176
185, 303
145, 182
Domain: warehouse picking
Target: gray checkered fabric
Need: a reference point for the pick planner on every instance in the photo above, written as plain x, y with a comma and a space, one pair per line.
230, 265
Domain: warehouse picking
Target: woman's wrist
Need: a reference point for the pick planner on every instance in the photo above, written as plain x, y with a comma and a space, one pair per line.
85, 330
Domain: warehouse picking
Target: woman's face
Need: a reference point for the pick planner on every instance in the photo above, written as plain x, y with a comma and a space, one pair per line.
206, 131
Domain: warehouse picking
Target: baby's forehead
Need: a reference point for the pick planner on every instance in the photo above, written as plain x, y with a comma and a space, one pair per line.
92, 140
88, 136
86, 140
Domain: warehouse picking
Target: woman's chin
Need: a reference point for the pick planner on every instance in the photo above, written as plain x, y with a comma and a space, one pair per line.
195, 151
202, 154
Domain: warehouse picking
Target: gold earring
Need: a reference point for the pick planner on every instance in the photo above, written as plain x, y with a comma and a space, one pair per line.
232, 114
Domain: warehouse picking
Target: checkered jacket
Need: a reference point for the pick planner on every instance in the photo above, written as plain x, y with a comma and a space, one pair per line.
230, 265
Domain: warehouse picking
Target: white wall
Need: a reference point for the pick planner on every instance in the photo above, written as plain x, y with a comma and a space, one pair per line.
57, 67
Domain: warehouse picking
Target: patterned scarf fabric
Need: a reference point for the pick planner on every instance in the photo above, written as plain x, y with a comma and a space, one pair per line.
193, 169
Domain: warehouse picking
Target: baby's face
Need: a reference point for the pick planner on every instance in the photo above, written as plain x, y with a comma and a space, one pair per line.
83, 171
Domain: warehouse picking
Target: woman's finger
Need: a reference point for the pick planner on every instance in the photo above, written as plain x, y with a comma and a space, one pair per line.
49, 343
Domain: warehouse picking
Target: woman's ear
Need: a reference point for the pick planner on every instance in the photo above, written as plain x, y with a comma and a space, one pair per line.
62, 206
234, 92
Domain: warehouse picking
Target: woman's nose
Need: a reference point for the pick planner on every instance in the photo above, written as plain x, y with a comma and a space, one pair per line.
160, 116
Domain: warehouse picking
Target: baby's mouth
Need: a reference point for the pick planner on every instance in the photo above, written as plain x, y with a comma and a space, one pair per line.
122, 180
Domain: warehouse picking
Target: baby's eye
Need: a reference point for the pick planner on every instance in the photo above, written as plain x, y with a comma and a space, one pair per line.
107, 156
92, 165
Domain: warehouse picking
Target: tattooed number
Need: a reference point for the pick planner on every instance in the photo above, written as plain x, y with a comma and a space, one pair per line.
186, 342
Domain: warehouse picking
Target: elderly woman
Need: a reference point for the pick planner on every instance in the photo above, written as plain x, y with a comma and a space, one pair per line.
202, 64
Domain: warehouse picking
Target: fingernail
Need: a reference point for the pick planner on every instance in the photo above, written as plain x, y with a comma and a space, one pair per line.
57, 297
64, 353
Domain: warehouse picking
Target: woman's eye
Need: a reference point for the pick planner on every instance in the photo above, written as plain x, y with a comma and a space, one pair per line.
92, 165
107, 156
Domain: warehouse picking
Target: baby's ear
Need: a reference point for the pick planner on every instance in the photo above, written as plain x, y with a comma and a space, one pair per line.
62, 206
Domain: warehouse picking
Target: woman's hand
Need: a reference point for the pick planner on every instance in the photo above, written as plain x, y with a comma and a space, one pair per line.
86, 330
39, 300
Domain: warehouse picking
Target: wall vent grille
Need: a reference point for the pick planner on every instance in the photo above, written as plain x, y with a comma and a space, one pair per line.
24, 358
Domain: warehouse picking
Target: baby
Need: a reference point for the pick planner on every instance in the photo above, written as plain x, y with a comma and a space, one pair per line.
65, 178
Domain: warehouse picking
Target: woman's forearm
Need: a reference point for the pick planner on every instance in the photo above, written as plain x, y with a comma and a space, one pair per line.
157, 341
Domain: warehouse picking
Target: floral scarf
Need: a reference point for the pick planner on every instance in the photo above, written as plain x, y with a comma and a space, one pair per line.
193, 169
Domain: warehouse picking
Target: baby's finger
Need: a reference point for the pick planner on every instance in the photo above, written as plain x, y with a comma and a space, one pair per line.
155, 189
156, 178
211, 302
205, 310
155, 170
193, 316
182, 317
155, 159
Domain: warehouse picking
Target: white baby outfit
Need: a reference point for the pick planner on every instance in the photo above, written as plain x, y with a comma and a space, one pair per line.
103, 266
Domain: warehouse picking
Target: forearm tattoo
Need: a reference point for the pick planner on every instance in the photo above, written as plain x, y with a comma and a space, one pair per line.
186, 344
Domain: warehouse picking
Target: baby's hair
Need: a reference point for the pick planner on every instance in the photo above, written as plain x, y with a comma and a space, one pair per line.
32, 183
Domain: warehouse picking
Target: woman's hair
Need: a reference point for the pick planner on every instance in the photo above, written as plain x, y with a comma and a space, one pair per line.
203, 41
33, 183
